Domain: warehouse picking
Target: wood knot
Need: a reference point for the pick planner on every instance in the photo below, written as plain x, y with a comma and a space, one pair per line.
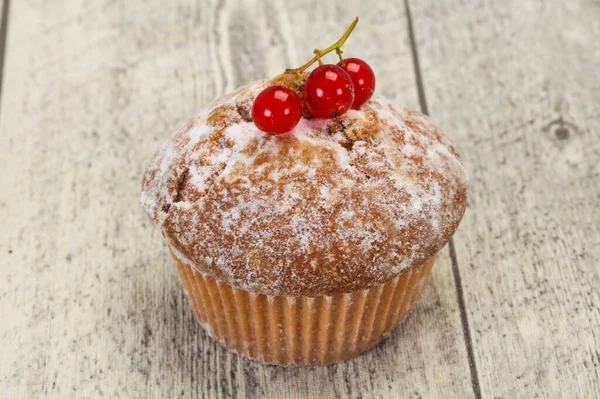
562, 129
562, 133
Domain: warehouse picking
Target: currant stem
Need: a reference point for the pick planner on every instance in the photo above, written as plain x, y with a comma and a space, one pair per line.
319, 53
339, 52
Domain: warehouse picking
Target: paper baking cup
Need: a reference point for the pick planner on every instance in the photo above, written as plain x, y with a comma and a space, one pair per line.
301, 331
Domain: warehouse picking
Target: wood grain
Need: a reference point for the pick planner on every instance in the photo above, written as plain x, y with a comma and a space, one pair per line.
90, 301
515, 84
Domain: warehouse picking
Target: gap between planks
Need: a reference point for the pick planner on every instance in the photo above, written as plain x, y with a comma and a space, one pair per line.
455, 269
3, 30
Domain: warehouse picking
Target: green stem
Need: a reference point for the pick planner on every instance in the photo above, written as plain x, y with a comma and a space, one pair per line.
339, 52
319, 53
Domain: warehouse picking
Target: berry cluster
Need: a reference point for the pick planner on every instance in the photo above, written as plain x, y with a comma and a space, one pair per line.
329, 91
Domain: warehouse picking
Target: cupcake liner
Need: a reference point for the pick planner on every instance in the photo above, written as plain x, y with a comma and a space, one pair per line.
301, 331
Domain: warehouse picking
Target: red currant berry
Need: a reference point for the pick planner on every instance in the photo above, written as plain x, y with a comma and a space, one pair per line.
363, 78
276, 110
328, 91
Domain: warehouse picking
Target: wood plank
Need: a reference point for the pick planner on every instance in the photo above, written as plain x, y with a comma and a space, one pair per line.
516, 84
89, 298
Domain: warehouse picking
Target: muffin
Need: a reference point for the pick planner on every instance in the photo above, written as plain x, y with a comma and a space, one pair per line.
305, 248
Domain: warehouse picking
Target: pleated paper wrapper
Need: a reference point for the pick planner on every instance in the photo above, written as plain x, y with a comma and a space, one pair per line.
301, 331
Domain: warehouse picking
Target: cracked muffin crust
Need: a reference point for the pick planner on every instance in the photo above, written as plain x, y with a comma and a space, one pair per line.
334, 206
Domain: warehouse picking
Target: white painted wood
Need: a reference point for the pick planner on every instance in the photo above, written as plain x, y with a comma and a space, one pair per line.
516, 84
90, 301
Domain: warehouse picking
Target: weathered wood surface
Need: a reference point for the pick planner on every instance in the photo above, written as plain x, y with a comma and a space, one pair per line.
89, 299
516, 83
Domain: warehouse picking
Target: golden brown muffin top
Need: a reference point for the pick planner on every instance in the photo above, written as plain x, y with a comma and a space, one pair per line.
334, 206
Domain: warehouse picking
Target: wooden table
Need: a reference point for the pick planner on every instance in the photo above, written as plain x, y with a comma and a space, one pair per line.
90, 303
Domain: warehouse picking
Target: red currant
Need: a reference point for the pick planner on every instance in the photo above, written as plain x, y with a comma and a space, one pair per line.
363, 78
328, 91
276, 110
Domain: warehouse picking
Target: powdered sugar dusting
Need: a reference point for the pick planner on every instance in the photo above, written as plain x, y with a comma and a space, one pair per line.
333, 206
198, 133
